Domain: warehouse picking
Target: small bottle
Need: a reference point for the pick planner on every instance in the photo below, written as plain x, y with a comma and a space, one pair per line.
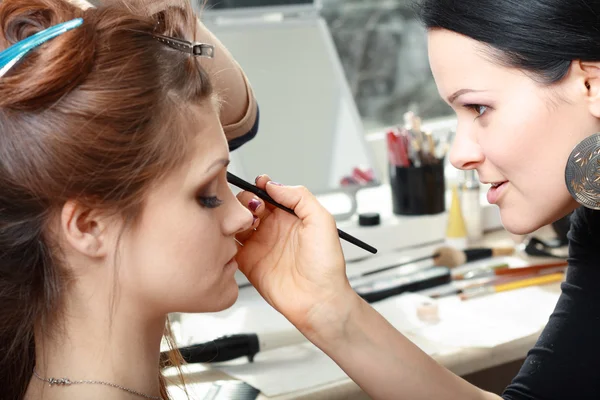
456, 232
470, 202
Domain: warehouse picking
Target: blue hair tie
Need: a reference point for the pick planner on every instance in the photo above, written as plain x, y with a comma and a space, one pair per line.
12, 55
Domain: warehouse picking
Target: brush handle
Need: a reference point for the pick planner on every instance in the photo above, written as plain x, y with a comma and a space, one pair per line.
414, 260
533, 281
485, 252
224, 348
242, 184
530, 269
478, 254
378, 290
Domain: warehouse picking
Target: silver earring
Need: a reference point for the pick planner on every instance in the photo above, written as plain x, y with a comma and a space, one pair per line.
582, 173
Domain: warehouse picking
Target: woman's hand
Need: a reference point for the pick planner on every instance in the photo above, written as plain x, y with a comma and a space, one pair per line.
297, 265
295, 262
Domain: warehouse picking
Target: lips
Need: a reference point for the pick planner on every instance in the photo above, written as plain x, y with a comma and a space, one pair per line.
232, 257
495, 191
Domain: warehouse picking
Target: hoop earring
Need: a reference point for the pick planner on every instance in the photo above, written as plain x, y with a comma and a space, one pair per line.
582, 173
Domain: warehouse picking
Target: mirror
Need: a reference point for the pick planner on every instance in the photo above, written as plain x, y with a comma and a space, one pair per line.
229, 4
310, 131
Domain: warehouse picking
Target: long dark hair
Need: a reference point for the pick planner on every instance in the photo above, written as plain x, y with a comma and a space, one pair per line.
538, 36
91, 115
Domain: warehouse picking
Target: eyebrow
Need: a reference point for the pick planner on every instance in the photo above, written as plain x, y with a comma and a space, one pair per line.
459, 93
223, 162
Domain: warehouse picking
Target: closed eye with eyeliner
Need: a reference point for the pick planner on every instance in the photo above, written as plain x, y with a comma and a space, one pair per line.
210, 201
207, 195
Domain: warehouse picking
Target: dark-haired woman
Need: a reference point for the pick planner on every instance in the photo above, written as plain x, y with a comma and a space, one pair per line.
524, 80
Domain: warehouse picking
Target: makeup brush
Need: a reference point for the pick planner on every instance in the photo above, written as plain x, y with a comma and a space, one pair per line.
507, 271
242, 184
451, 257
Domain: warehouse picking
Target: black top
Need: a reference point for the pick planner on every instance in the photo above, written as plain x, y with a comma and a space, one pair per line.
565, 362
246, 137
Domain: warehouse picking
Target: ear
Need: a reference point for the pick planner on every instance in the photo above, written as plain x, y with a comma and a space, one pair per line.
84, 229
591, 75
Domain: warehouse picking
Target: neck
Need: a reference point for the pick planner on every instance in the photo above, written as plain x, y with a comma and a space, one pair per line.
119, 346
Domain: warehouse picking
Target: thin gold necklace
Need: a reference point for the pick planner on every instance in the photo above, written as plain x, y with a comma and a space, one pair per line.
68, 382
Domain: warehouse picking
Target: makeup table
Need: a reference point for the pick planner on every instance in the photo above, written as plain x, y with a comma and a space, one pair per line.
488, 367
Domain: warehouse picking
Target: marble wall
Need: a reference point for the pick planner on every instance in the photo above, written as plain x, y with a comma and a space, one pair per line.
383, 49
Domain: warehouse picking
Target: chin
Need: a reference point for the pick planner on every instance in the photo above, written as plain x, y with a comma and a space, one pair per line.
215, 300
221, 301
229, 300
523, 222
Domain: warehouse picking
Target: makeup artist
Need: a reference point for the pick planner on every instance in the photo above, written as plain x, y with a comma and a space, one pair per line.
524, 80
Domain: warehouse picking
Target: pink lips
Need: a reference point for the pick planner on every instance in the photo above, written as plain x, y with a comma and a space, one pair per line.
231, 264
495, 191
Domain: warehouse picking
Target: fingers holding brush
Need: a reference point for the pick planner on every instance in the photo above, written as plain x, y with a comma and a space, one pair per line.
258, 209
261, 182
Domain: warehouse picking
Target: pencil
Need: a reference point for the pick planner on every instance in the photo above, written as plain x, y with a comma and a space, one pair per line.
242, 184
518, 284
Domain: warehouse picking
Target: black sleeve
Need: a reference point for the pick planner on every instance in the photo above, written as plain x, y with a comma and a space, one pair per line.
239, 141
564, 364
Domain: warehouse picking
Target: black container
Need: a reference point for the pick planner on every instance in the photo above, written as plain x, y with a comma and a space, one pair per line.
418, 190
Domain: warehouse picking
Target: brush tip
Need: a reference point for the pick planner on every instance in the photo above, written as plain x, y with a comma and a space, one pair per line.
503, 251
449, 257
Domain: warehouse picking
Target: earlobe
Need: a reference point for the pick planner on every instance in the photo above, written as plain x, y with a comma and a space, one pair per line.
83, 229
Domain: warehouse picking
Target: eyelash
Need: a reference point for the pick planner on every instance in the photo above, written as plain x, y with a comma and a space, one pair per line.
475, 107
210, 201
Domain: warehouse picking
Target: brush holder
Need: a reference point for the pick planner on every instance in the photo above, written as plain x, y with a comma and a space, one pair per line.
418, 190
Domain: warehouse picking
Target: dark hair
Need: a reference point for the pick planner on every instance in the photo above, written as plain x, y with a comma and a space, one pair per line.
539, 36
91, 115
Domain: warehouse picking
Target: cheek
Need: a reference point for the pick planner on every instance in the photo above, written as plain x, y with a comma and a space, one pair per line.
174, 259
187, 252
531, 149
528, 138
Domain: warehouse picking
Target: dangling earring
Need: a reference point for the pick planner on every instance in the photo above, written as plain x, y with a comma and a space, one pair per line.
582, 173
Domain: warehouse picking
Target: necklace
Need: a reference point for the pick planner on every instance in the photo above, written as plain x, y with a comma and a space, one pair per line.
68, 382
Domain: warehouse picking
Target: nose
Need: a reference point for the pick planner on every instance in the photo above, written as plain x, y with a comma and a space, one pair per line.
237, 217
465, 152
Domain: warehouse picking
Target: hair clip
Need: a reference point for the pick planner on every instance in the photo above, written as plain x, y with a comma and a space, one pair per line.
195, 49
10, 56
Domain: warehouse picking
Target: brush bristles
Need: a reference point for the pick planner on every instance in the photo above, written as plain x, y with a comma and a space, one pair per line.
449, 257
503, 251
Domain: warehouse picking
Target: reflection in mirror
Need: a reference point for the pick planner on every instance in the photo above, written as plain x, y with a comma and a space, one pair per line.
310, 131
231, 4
